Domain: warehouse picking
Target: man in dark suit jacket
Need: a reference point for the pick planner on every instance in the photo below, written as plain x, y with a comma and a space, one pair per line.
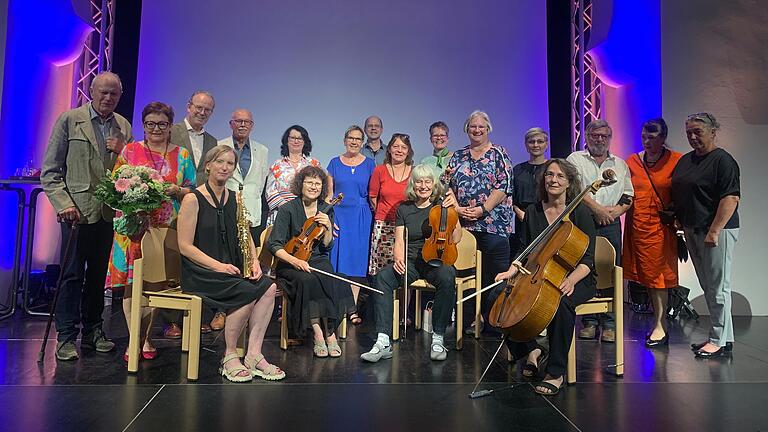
84, 144
190, 134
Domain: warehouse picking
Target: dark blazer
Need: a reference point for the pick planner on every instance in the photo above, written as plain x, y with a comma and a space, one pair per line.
180, 137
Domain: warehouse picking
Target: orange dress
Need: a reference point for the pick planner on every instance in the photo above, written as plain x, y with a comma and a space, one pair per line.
649, 253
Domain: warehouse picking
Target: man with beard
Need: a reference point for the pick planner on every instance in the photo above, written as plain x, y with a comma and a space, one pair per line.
607, 206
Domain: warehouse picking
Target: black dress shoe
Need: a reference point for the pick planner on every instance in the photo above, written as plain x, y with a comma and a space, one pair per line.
706, 355
698, 346
651, 343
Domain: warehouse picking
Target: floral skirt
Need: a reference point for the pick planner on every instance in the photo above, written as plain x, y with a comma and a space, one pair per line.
125, 250
382, 246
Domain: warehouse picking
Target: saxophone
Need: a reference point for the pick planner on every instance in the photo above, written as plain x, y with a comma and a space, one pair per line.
244, 234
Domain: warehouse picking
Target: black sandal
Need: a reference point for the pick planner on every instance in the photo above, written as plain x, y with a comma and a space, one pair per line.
531, 370
551, 388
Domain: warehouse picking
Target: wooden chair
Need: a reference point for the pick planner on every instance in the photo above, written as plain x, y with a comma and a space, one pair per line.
609, 275
469, 260
160, 264
269, 261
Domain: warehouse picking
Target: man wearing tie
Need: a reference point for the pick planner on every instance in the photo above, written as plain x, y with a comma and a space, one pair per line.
84, 144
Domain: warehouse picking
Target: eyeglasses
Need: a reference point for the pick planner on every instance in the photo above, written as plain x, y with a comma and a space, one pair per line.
242, 122
559, 176
150, 125
354, 139
477, 127
597, 136
401, 136
202, 109
439, 136
296, 138
313, 184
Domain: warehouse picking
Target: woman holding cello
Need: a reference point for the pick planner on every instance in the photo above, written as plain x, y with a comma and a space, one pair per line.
423, 206
317, 300
557, 187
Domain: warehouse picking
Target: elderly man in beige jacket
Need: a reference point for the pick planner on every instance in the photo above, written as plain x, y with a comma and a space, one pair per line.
84, 144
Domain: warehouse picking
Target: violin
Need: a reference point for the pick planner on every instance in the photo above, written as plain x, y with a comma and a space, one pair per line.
439, 248
529, 300
301, 246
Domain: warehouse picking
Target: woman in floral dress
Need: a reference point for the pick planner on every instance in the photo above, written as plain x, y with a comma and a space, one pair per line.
175, 166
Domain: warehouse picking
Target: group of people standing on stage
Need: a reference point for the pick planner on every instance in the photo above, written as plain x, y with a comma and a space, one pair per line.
384, 193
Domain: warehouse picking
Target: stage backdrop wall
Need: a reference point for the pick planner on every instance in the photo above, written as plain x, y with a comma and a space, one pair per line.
715, 59
328, 65
3, 28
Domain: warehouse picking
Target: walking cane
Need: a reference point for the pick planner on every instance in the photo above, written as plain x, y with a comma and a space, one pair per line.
64, 264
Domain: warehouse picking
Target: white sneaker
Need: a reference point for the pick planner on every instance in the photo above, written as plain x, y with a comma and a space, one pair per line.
377, 353
438, 352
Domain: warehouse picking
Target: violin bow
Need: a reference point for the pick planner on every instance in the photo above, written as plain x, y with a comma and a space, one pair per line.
343, 279
351, 282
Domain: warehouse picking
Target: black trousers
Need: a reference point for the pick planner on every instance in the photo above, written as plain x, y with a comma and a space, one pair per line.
495, 250
443, 278
559, 331
81, 296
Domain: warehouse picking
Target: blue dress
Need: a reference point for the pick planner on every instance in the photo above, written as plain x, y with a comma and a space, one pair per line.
353, 217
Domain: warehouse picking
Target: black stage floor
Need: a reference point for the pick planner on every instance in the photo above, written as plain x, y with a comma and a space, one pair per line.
662, 390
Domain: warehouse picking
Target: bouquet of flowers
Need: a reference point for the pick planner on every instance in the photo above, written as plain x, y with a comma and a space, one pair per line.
134, 191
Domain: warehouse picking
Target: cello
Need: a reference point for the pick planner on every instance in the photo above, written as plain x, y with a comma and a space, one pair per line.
528, 302
439, 248
301, 246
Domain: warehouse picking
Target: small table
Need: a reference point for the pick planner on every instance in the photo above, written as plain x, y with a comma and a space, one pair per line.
14, 185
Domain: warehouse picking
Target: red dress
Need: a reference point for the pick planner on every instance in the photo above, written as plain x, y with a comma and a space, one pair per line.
649, 253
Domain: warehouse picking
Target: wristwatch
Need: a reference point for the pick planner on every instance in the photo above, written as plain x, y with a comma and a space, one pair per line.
485, 211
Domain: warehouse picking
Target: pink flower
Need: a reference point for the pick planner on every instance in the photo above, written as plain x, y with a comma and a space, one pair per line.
135, 179
162, 215
156, 177
122, 185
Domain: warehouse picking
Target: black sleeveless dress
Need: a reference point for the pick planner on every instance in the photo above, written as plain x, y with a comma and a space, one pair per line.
216, 236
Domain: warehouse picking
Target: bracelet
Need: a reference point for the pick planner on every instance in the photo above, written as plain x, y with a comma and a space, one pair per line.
485, 211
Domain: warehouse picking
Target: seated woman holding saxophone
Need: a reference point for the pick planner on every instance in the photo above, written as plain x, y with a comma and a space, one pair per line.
557, 187
212, 267
316, 300
422, 192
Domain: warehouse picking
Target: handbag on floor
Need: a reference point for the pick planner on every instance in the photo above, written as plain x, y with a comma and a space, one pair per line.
426, 320
638, 298
679, 305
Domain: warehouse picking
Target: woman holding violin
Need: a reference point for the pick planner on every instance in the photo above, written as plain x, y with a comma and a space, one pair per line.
317, 300
423, 204
557, 187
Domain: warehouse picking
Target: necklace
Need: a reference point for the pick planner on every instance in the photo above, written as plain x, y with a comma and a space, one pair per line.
293, 163
651, 164
402, 174
350, 160
148, 151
